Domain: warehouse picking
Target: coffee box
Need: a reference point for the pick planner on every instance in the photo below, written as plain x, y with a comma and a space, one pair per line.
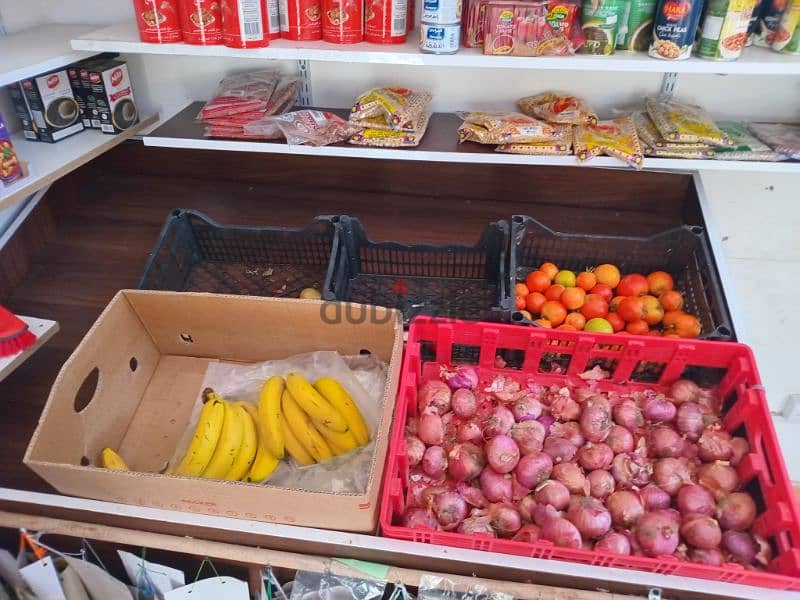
29, 129
111, 103
53, 107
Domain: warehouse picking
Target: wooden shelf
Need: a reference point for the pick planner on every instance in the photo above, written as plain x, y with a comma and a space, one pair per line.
440, 144
124, 37
43, 329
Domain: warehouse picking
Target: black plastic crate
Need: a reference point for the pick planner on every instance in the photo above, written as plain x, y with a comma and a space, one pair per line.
461, 282
196, 254
684, 252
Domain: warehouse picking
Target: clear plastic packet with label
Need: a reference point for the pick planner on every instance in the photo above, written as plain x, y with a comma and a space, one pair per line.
398, 105
615, 137
314, 127
677, 152
746, 146
506, 128
284, 97
679, 122
386, 138
782, 138
243, 92
308, 585
438, 587
381, 122
558, 108
557, 147
241, 132
649, 135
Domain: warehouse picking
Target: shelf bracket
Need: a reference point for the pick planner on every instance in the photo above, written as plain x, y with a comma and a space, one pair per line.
304, 73
668, 84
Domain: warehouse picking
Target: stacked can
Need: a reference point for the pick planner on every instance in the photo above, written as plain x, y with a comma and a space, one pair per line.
440, 26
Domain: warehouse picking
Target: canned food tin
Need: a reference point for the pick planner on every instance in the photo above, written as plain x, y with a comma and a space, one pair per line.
343, 21
201, 22
301, 19
724, 32
768, 21
441, 12
787, 36
385, 21
158, 21
751, 28
439, 39
674, 28
245, 24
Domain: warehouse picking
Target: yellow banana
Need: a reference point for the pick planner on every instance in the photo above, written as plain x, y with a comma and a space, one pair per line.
340, 443
293, 446
205, 438
334, 392
269, 412
264, 463
112, 460
229, 444
309, 399
247, 453
300, 423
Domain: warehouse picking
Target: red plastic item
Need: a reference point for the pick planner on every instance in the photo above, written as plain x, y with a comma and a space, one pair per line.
14, 334
634, 362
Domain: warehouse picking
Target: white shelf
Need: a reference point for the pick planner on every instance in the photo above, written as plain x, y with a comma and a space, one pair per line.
49, 162
43, 329
125, 38
38, 50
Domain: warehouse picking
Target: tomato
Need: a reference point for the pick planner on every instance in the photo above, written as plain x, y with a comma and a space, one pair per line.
654, 332
573, 298
671, 300
566, 327
685, 326
586, 280
537, 281
521, 289
631, 309
554, 292
576, 319
659, 282
601, 289
638, 327
554, 311
549, 269
519, 303
670, 318
607, 274
632, 285
653, 311
617, 322
534, 301
594, 307
543, 323
599, 325
565, 278
613, 306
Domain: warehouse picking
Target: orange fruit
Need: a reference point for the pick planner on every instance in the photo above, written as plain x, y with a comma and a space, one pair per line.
534, 301
686, 326
601, 289
613, 306
554, 292
544, 323
607, 274
565, 278
593, 307
617, 322
659, 282
537, 281
653, 311
632, 285
671, 300
519, 303
521, 289
566, 327
586, 280
573, 298
631, 309
671, 318
654, 332
549, 269
576, 319
599, 325
638, 327
554, 311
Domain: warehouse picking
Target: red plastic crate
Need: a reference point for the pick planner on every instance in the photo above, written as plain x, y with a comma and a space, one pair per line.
634, 362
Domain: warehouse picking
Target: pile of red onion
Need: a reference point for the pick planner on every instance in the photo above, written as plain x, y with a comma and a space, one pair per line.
637, 473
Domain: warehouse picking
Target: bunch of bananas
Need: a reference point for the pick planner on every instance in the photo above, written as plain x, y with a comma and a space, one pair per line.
239, 441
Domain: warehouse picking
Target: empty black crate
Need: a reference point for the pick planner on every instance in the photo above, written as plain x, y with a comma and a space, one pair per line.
464, 282
196, 254
683, 252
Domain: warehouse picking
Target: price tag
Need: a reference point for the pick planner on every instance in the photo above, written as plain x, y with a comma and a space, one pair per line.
42, 578
213, 588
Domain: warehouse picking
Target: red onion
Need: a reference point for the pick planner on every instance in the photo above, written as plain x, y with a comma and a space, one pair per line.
499, 422
430, 429
464, 403
450, 509
528, 533
657, 532
740, 447
415, 448
691, 420
505, 519
663, 441
701, 531
596, 422
654, 498
434, 461
434, 397
419, 518
670, 474
620, 439
564, 408
495, 486
589, 516
478, 525
626, 508
559, 449
518, 491
533, 469
658, 409
545, 512
684, 390
614, 542
720, 478
462, 377
421, 494
546, 421
710, 556
695, 499
571, 476
595, 456
526, 408
502, 453
465, 461
736, 511
715, 444
469, 431
628, 415
630, 470
529, 436
570, 431
741, 546
562, 533
553, 493
472, 494
526, 506
601, 483
411, 426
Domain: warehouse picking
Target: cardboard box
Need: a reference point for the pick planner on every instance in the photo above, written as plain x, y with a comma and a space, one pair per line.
110, 101
55, 111
29, 129
148, 353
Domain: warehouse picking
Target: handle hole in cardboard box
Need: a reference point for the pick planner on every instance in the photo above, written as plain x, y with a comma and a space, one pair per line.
133, 364
86, 392
186, 338
85, 462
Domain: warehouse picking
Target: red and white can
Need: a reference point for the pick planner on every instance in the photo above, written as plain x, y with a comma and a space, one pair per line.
245, 23
201, 22
273, 14
158, 21
385, 21
343, 21
301, 19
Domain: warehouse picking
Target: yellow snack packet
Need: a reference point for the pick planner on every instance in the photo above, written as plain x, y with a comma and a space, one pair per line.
649, 135
678, 122
616, 137
558, 108
506, 128
398, 105
383, 138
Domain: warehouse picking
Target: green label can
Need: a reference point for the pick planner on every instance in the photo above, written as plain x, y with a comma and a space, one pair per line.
724, 32
601, 20
636, 28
